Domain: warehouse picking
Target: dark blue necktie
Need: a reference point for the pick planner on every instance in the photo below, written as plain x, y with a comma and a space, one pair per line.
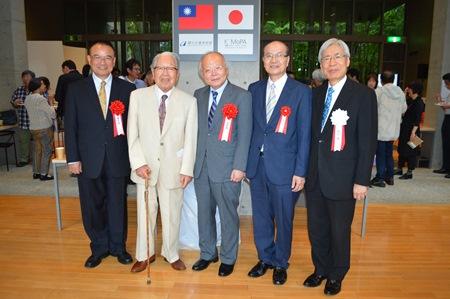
212, 110
327, 106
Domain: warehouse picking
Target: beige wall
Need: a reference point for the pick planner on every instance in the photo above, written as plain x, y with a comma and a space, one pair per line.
45, 58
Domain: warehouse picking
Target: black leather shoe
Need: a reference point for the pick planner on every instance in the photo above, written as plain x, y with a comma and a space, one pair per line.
202, 264
447, 176
225, 270
259, 269
36, 176
46, 177
279, 276
94, 261
440, 171
398, 171
389, 181
332, 287
314, 280
406, 176
377, 182
124, 258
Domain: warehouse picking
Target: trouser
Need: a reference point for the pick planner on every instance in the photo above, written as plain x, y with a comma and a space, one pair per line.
170, 204
384, 160
445, 132
43, 146
411, 160
23, 145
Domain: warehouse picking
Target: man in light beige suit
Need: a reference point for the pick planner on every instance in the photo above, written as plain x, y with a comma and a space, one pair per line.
162, 140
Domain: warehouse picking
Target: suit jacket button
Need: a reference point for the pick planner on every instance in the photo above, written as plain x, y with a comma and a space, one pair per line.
162, 143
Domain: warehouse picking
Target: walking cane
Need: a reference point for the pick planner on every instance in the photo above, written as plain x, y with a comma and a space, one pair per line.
147, 231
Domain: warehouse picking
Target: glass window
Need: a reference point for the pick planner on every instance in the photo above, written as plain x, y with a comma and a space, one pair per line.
276, 16
130, 17
307, 16
304, 59
73, 11
338, 16
365, 58
158, 18
367, 17
101, 16
394, 18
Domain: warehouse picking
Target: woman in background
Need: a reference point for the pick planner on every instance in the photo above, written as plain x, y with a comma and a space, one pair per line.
372, 80
41, 116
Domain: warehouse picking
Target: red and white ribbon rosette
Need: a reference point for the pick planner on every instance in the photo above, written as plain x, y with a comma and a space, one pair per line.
339, 120
229, 112
117, 109
283, 121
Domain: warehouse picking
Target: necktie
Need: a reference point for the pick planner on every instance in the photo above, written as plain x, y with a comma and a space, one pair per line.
102, 97
326, 107
162, 112
270, 105
212, 110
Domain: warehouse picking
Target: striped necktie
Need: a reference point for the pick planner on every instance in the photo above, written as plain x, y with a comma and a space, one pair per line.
212, 110
162, 112
102, 97
271, 102
326, 107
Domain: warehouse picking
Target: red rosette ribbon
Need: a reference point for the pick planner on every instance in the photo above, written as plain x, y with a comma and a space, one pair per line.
229, 112
117, 109
283, 120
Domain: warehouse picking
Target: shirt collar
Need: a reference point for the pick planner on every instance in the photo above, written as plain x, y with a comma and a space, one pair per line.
279, 84
160, 93
98, 81
338, 86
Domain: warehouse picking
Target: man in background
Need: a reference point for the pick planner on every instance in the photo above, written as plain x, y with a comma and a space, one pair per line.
444, 101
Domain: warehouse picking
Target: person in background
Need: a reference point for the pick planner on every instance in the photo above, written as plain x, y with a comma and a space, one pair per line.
410, 128
148, 78
70, 74
41, 126
372, 81
23, 130
132, 73
115, 72
444, 101
86, 71
391, 105
317, 78
353, 74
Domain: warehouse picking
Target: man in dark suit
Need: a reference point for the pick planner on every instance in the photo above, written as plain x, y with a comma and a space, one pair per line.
97, 151
224, 131
70, 74
278, 159
343, 144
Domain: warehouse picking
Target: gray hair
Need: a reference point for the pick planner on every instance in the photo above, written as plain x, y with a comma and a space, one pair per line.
318, 75
174, 56
334, 41
206, 54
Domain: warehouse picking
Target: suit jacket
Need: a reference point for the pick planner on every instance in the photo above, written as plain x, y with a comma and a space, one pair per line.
285, 155
61, 89
171, 152
89, 137
221, 156
338, 171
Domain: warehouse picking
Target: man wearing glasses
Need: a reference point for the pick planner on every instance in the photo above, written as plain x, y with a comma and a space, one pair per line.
97, 151
132, 73
162, 140
343, 143
278, 160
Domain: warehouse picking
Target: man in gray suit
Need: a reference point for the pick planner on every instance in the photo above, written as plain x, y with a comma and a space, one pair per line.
224, 132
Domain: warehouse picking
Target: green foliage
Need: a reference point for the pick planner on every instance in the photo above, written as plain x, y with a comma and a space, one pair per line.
394, 21
365, 58
276, 27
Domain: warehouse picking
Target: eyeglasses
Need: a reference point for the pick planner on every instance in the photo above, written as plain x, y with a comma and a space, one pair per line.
165, 68
337, 58
276, 56
107, 58
216, 69
136, 69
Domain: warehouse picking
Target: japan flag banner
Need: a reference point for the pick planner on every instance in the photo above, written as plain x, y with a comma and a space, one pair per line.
235, 17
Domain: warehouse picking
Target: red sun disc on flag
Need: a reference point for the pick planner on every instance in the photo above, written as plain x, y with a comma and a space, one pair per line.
235, 17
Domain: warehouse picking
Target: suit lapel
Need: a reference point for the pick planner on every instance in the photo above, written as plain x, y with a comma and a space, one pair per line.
225, 98
341, 102
261, 104
171, 111
94, 96
203, 111
283, 100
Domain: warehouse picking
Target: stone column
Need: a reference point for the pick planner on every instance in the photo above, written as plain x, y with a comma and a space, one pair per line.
13, 49
439, 65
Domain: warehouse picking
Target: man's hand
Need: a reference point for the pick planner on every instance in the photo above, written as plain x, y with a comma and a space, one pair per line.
298, 183
75, 167
237, 176
18, 102
359, 191
143, 172
185, 180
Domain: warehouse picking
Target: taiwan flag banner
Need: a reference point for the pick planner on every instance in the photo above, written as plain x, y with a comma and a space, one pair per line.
196, 17
235, 17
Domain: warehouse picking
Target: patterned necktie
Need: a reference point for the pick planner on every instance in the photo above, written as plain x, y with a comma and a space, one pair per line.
102, 97
162, 112
212, 110
326, 107
270, 105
